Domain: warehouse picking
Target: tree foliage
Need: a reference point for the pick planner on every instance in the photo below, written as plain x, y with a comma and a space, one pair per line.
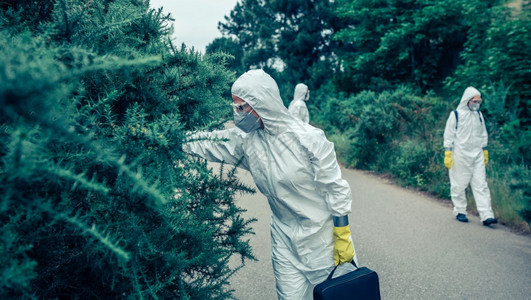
97, 199
286, 37
388, 43
229, 46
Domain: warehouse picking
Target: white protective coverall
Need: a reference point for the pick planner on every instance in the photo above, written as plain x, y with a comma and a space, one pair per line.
467, 143
297, 107
295, 167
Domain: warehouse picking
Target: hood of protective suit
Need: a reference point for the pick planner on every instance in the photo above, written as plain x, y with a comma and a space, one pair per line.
469, 93
300, 92
261, 92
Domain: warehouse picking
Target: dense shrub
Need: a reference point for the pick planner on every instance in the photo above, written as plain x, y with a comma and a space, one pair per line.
97, 200
374, 121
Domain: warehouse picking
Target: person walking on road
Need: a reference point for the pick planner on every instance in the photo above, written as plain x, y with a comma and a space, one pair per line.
295, 167
466, 156
297, 106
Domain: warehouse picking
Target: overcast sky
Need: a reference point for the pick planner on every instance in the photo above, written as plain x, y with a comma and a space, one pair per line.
196, 21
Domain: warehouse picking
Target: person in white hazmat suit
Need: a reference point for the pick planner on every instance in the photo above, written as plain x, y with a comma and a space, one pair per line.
295, 167
297, 106
466, 155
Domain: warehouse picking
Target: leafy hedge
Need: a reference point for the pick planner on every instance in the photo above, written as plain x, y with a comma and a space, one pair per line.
97, 200
392, 132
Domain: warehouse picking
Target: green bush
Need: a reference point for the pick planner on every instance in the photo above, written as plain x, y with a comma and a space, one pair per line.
97, 200
519, 195
408, 163
373, 122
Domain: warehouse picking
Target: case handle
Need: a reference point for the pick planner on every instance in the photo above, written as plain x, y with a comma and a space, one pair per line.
332, 273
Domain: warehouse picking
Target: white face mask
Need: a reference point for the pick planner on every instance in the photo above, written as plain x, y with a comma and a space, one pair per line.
474, 106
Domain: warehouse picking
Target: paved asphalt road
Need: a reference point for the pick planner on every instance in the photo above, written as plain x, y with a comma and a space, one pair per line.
412, 241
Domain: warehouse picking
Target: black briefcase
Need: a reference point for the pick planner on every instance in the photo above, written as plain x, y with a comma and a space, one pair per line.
361, 283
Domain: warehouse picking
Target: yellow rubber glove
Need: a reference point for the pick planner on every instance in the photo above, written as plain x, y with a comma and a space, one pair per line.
486, 157
343, 249
448, 162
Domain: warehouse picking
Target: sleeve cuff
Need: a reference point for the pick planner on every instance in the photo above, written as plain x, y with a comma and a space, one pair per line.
341, 221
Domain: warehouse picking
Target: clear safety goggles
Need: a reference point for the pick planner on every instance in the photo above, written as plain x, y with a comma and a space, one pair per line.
241, 107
